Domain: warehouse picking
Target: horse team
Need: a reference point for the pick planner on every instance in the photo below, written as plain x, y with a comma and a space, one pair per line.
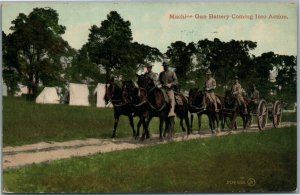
147, 100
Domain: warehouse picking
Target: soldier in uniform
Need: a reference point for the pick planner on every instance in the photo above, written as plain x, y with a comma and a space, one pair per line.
151, 74
209, 87
254, 94
168, 80
237, 91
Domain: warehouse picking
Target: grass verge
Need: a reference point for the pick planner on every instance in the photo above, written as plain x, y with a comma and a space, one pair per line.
249, 162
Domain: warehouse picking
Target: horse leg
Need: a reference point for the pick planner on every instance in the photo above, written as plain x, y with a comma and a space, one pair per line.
141, 121
192, 118
233, 121
181, 124
161, 123
130, 117
146, 128
117, 116
199, 121
186, 118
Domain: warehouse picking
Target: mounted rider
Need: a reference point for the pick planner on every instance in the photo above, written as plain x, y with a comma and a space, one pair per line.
150, 74
168, 80
237, 92
209, 87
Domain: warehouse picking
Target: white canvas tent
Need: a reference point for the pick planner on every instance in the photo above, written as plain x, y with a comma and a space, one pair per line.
79, 94
100, 92
48, 96
23, 90
4, 89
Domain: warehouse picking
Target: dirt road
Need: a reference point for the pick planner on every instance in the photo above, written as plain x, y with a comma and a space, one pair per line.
44, 152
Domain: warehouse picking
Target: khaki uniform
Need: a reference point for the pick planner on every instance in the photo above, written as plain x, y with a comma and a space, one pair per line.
237, 92
209, 87
255, 96
168, 80
152, 76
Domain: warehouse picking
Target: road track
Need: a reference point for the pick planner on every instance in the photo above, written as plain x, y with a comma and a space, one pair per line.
14, 157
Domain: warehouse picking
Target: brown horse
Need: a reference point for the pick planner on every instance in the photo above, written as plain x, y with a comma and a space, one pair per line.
156, 106
233, 109
122, 105
196, 106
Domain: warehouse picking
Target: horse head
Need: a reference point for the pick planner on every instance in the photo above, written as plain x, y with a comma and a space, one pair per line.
129, 91
195, 97
112, 91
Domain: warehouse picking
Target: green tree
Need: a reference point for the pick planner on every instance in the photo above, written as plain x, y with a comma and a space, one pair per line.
9, 73
286, 79
181, 56
110, 46
36, 48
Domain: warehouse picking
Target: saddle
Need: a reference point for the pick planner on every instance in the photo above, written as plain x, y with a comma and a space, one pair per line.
179, 98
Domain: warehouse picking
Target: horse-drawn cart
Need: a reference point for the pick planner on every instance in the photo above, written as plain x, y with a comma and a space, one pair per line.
265, 111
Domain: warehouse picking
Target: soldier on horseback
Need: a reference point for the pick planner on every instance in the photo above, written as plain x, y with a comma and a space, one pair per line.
209, 87
150, 74
168, 80
237, 92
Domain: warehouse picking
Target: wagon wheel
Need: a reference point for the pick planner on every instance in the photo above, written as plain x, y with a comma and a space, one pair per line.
262, 114
277, 114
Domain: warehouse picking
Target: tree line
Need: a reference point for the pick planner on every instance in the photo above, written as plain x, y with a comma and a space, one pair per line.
35, 53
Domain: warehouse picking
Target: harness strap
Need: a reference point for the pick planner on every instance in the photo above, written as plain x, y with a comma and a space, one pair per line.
158, 110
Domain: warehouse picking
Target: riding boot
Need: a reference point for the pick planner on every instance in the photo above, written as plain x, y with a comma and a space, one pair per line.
216, 107
172, 102
171, 126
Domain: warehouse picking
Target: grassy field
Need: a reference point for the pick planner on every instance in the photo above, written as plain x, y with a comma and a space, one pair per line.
249, 162
27, 122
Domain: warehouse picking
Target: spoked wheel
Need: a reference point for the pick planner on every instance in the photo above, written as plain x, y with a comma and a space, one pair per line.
277, 114
262, 114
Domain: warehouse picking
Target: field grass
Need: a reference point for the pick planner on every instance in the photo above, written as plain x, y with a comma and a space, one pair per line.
27, 122
217, 164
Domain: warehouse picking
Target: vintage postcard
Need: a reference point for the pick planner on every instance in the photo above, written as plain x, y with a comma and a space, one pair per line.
149, 97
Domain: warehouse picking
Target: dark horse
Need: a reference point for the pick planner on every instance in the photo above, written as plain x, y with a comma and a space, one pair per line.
196, 106
156, 106
122, 105
154, 95
130, 95
233, 109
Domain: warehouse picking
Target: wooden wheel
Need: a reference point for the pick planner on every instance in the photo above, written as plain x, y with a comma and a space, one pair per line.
262, 114
277, 114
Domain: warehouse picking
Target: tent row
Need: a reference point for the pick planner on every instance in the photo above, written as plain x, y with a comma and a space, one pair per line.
78, 95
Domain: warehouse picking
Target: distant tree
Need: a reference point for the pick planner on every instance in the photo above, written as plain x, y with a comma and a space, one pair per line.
82, 70
110, 47
9, 73
225, 59
286, 79
181, 56
35, 48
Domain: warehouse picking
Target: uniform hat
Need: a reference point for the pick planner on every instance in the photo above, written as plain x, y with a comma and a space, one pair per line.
148, 65
165, 63
208, 72
236, 77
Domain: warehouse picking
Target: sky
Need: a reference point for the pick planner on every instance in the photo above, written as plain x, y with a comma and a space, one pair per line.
152, 23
